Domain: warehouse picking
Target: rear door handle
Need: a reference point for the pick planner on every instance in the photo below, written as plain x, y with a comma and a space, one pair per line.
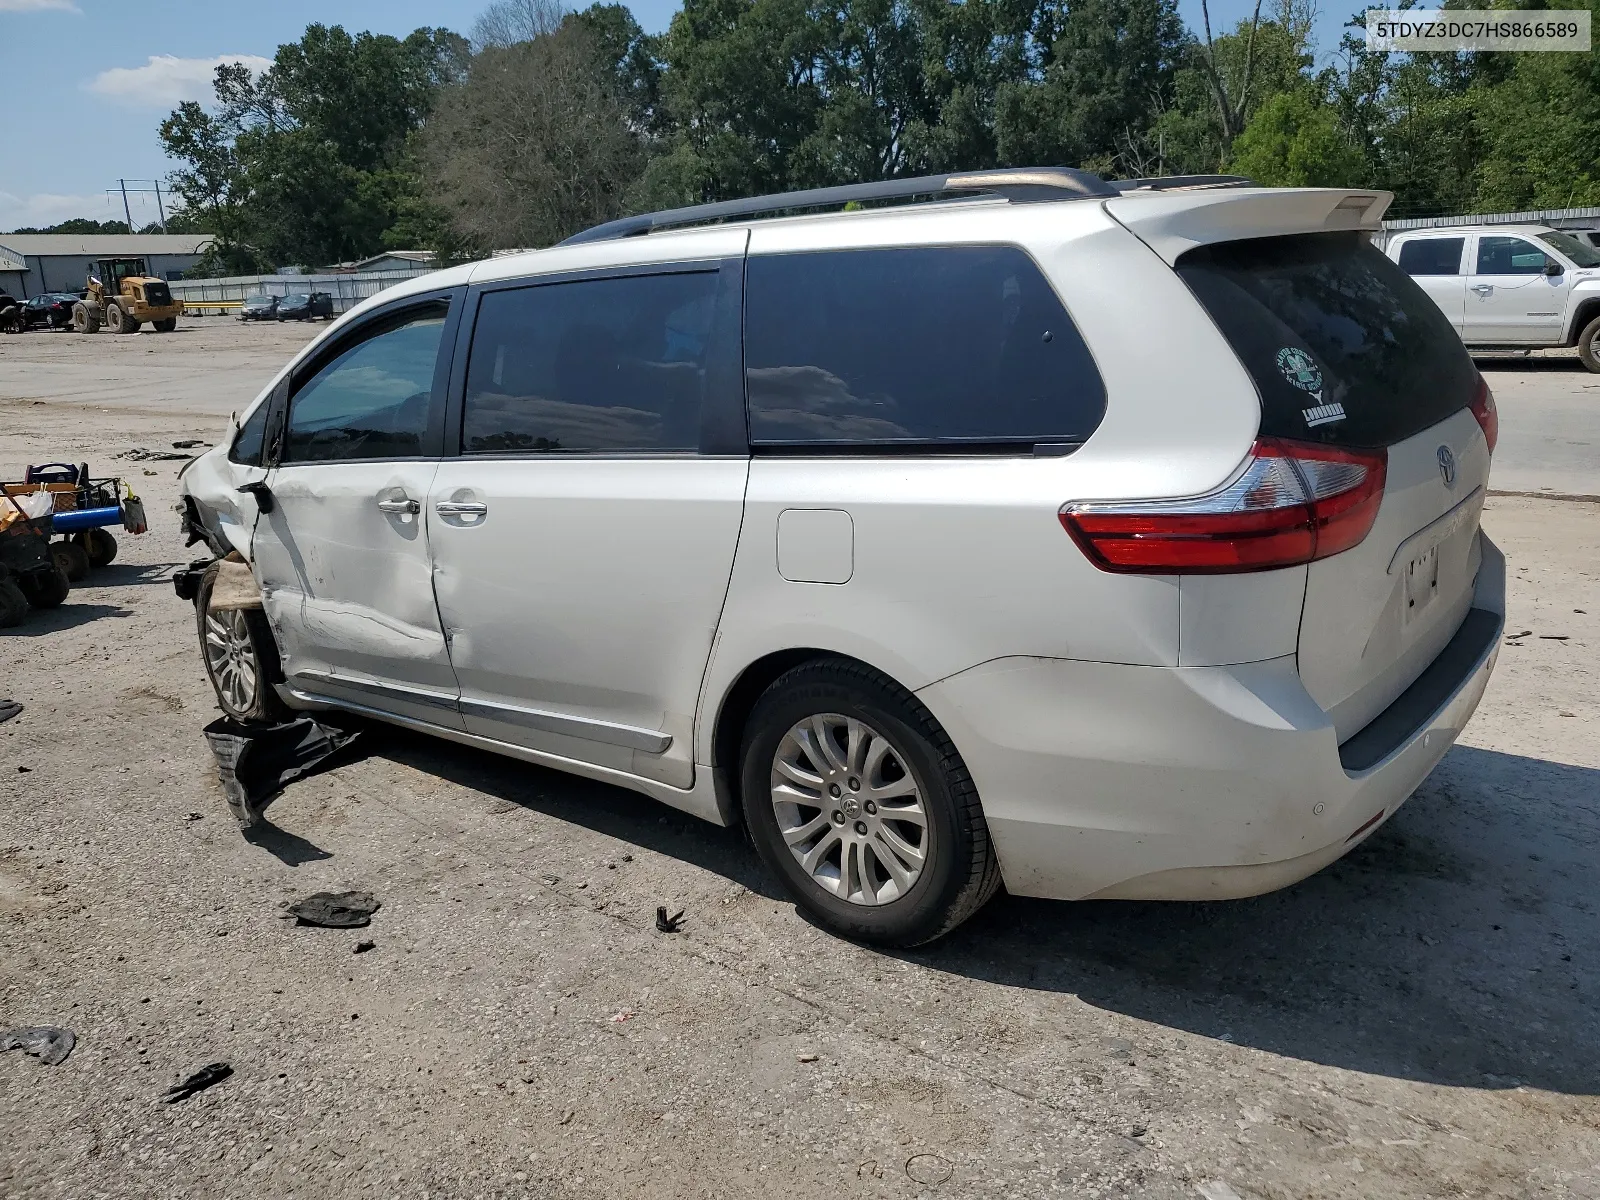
401, 505
460, 508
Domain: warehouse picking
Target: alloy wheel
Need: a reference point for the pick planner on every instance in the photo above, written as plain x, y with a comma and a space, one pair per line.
231, 658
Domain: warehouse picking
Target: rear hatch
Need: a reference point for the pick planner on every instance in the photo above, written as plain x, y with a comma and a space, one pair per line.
1348, 352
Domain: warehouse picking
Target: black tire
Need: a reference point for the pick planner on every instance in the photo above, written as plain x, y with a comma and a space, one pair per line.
115, 319
45, 589
13, 604
165, 325
100, 545
260, 657
1589, 345
959, 872
71, 560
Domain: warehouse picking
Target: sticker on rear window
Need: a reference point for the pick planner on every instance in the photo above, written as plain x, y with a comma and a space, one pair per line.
1301, 370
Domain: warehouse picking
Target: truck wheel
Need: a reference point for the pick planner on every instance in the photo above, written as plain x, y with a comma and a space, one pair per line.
45, 589
240, 657
99, 545
70, 559
116, 320
13, 604
165, 325
85, 318
1589, 345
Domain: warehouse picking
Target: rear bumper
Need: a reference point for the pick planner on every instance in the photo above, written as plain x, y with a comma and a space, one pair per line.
1109, 781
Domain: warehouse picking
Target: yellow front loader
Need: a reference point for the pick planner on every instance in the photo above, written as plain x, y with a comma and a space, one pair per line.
122, 296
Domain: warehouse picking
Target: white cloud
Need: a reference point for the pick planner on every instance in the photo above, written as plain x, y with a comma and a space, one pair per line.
167, 80
38, 6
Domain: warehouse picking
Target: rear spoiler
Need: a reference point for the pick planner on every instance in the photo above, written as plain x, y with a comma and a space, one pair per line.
1171, 223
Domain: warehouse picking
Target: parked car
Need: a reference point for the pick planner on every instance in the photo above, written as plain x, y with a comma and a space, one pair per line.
305, 307
258, 308
1107, 540
1510, 287
53, 310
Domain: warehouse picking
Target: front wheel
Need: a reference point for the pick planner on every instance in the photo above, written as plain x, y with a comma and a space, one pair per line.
858, 801
71, 560
240, 656
165, 324
45, 589
1589, 345
100, 545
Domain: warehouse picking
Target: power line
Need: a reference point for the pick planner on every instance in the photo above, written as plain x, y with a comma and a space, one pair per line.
123, 188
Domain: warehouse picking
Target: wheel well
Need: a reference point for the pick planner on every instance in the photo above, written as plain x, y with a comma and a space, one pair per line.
1588, 310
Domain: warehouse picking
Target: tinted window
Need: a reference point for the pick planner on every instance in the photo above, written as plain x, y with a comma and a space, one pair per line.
1509, 256
955, 345
598, 365
1581, 252
246, 446
1343, 346
372, 399
1432, 256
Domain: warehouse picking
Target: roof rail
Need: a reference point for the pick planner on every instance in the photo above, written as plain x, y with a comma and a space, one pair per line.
1019, 185
1168, 183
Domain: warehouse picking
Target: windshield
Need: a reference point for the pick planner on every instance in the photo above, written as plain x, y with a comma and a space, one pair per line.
257, 301
1578, 250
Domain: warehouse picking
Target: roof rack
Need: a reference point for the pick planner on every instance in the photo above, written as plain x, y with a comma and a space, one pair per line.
1019, 185
1170, 183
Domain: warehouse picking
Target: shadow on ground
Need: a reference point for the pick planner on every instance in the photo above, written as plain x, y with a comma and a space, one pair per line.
40, 622
126, 574
1457, 946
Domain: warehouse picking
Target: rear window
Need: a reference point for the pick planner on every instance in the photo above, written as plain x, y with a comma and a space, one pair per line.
955, 348
1432, 256
1344, 348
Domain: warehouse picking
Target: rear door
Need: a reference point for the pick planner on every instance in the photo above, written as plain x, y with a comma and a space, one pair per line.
341, 553
1435, 264
584, 534
1510, 299
1347, 351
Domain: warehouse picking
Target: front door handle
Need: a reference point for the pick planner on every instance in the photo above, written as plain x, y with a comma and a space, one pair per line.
402, 504
460, 508
1483, 289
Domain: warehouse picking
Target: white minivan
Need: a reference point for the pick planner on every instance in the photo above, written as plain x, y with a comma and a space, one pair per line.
1509, 287
1106, 540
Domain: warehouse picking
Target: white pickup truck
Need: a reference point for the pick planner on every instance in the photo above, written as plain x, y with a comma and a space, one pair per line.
1509, 287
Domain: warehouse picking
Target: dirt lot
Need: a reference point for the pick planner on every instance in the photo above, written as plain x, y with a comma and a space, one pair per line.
1417, 1021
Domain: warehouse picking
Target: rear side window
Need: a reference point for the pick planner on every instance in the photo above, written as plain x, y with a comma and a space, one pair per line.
955, 347
1509, 256
1432, 256
1344, 348
595, 365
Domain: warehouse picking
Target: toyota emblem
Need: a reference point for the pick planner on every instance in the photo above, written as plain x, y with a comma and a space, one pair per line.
1447, 466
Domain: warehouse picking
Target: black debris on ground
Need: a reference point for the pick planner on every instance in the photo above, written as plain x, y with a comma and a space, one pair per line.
336, 910
256, 762
206, 1076
48, 1043
363, 947
668, 924
9, 709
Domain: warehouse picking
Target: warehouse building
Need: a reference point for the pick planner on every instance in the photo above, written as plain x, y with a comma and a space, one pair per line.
59, 262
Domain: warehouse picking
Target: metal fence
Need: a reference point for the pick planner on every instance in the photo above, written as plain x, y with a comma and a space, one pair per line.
347, 290
1556, 218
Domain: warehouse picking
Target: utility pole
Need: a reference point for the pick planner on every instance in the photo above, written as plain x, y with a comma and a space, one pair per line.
126, 211
161, 213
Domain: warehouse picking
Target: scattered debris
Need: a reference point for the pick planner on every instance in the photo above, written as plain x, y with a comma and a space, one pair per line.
929, 1169
1138, 1131
624, 1015
1215, 1189
668, 924
1509, 637
189, 818
24, 770
550, 878
48, 1043
206, 1076
566, 1117
189, 444
806, 1057
1553, 637
9, 709
336, 910
363, 947
141, 454
627, 858
256, 762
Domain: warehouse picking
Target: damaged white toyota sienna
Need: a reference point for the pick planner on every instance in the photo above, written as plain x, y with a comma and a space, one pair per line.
1103, 540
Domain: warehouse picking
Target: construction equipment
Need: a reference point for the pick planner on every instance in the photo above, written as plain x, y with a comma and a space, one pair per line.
75, 508
122, 295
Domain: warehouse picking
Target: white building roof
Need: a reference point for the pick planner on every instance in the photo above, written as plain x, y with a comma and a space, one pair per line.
106, 245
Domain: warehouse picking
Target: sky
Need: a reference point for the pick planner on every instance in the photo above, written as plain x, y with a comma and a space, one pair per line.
89, 81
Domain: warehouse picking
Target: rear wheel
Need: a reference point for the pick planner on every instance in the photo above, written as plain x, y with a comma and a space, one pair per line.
13, 604
71, 560
100, 545
85, 318
1589, 345
240, 656
45, 589
856, 798
165, 325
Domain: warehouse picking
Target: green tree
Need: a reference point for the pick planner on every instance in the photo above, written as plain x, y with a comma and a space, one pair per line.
1295, 140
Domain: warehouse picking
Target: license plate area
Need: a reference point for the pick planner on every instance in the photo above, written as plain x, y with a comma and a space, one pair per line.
1421, 582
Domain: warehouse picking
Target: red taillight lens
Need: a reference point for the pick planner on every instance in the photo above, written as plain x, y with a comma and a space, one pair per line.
1293, 503
1488, 415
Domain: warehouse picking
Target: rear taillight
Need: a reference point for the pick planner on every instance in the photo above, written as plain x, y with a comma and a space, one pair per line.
1488, 415
1294, 502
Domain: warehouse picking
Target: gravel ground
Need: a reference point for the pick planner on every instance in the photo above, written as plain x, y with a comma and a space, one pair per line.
1418, 1020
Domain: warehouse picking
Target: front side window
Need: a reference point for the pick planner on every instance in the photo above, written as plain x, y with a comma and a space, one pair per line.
1432, 256
246, 448
926, 347
600, 365
372, 399
1509, 256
